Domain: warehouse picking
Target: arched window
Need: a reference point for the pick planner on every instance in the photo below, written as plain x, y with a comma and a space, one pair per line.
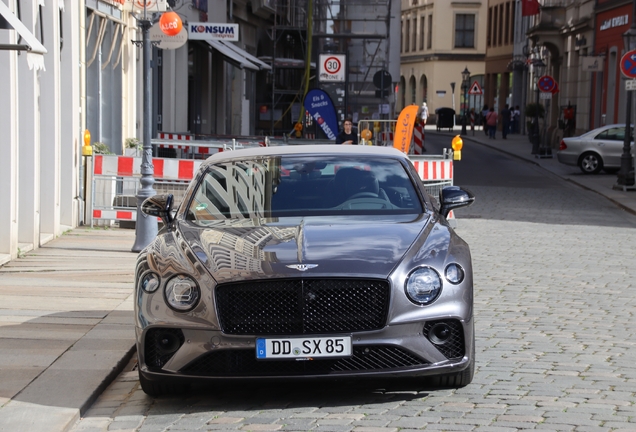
424, 88
413, 89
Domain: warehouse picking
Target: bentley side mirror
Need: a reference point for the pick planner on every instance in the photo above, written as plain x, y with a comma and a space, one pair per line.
159, 206
453, 197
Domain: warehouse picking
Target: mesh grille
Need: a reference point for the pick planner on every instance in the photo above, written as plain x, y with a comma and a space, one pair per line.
233, 363
302, 306
155, 356
453, 347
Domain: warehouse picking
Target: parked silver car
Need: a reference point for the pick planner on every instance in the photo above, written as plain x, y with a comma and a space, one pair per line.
595, 150
305, 262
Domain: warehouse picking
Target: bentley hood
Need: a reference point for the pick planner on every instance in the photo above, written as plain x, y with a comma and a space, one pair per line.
241, 249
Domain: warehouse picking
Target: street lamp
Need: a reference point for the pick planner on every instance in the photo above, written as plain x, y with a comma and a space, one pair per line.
537, 70
465, 83
145, 226
626, 172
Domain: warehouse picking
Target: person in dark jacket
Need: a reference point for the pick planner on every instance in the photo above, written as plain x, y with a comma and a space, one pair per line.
347, 136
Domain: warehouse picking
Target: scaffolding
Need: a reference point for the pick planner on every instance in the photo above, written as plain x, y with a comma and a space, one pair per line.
358, 29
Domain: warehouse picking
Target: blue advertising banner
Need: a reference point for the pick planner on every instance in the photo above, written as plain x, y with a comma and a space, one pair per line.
320, 107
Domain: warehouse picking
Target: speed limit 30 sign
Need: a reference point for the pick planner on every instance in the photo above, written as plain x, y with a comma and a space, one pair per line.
332, 68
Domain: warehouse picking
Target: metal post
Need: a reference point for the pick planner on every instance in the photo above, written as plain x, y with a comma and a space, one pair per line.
465, 88
626, 172
146, 226
536, 135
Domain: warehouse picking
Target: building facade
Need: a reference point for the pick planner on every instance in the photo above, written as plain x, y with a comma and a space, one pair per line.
440, 39
41, 122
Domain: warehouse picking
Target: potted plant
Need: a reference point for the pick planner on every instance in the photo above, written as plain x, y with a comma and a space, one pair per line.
132, 147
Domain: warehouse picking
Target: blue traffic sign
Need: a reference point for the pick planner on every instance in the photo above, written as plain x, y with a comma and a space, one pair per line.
546, 84
628, 64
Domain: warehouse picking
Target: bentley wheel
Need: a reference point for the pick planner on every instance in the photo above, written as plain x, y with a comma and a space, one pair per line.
590, 163
160, 388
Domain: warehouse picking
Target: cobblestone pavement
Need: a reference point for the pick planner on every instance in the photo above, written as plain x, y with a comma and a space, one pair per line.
555, 284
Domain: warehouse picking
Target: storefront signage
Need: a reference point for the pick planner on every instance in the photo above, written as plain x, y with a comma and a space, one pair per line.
592, 64
208, 31
615, 22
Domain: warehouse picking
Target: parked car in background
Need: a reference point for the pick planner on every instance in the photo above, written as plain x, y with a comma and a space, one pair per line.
315, 261
596, 150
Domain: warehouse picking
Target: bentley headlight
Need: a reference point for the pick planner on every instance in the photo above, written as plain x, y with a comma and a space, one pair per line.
454, 273
423, 286
150, 282
182, 293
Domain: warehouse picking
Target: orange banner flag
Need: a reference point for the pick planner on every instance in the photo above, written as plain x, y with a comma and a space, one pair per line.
404, 128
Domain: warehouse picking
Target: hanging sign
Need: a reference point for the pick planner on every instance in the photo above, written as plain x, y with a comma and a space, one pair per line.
475, 89
167, 42
145, 5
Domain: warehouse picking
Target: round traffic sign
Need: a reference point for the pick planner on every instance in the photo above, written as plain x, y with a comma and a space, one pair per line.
332, 65
628, 64
546, 84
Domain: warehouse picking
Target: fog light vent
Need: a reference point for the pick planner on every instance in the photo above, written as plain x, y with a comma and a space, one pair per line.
447, 336
160, 346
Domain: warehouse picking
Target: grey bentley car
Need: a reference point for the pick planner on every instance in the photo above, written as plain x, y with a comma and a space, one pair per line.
305, 262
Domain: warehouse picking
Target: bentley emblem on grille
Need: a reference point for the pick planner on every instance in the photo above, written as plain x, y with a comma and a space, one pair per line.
302, 267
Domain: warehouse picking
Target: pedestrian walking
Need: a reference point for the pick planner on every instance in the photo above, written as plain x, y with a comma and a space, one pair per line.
484, 113
424, 114
516, 120
491, 123
505, 121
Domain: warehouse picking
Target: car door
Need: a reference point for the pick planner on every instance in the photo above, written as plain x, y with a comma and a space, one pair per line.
609, 145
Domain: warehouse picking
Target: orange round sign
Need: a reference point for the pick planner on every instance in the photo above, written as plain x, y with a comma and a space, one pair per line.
366, 134
170, 23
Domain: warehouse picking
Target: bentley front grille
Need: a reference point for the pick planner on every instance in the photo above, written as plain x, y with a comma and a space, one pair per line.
302, 306
243, 363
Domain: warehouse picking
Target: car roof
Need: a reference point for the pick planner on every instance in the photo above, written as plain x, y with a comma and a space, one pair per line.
312, 149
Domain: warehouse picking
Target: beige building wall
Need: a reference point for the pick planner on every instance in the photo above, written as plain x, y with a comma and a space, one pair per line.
433, 54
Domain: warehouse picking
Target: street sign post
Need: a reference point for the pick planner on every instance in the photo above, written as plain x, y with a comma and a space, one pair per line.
475, 89
628, 64
332, 68
546, 84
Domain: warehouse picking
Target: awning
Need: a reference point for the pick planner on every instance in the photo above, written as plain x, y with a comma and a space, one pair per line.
238, 56
34, 48
261, 65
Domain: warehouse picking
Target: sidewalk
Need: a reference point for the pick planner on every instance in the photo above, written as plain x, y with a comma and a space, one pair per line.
66, 309
519, 146
66, 327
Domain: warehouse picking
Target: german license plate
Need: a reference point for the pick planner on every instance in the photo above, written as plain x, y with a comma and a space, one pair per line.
310, 347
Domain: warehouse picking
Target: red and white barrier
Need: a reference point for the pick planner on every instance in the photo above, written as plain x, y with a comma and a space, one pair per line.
418, 139
434, 170
164, 168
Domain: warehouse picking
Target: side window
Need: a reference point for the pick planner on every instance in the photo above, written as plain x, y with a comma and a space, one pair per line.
602, 136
